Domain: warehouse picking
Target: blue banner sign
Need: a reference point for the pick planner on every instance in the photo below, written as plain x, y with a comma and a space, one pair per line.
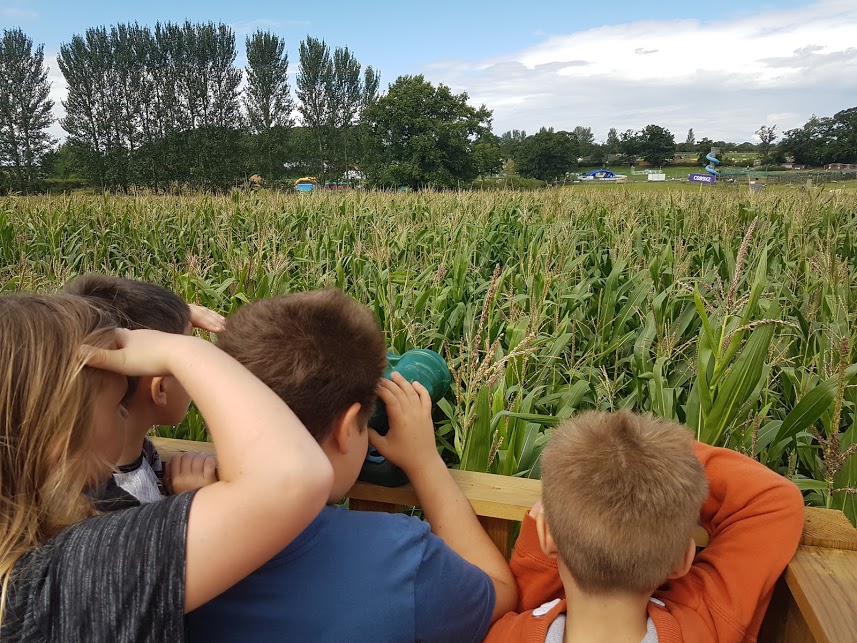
710, 179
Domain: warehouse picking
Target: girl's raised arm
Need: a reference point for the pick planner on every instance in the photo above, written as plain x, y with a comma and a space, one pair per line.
274, 478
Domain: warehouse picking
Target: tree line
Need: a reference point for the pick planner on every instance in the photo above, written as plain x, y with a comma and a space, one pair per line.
166, 107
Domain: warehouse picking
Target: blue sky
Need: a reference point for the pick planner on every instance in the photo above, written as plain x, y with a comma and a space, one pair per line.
602, 64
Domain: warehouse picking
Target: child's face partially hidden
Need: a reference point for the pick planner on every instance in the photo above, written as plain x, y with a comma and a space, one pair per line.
178, 399
110, 419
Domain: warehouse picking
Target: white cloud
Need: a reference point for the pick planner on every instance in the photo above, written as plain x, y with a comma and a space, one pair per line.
723, 78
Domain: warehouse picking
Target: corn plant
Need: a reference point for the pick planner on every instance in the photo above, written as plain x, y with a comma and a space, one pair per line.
732, 313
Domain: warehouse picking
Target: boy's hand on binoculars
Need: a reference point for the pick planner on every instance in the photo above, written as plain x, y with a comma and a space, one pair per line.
411, 434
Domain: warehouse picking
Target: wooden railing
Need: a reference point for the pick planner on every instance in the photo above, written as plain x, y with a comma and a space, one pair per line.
815, 601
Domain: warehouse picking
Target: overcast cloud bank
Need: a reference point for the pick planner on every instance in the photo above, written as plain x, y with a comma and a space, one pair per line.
724, 79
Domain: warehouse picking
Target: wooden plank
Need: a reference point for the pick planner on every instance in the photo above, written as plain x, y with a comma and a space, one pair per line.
823, 583
828, 528
490, 495
168, 447
510, 498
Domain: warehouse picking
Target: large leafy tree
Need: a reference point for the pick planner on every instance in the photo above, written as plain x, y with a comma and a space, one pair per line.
824, 139
267, 98
346, 97
268, 102
690, 141
154, 107
25, 109
422, 135
547, 155
585, 141
509, 142
612, 144
656, 144
629, 144
489, 158
333, 88
313, 82
767, 136
845, 130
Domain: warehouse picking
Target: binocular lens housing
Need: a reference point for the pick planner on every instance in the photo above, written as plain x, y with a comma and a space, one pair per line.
419, 365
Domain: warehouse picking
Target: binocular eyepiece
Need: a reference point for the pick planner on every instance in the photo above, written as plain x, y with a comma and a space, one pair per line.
418, 365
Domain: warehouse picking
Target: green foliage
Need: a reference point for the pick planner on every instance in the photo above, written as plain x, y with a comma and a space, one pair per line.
332, 94
487, 155
656, 145
729, 312
767, 135
267, 98
268, 104
824, 139
547, 155
25, 110
153, 107
421, 136
613, 143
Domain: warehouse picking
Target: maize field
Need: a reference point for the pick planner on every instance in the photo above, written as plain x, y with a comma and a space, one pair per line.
733, 313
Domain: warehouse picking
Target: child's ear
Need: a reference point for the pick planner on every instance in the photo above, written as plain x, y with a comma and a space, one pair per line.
686, 562
345, 427
546, 540
158, 391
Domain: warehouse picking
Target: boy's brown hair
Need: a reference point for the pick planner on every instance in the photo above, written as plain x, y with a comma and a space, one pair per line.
622, 494
320, 351
134, 304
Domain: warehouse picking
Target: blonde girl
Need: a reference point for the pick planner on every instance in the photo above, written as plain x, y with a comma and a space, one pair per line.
70, 575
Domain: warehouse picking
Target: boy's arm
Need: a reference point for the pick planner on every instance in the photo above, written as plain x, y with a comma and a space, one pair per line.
410, 445
754, 518
536, 574
189, 471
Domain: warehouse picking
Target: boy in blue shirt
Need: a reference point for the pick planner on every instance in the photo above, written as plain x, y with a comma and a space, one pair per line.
357, 576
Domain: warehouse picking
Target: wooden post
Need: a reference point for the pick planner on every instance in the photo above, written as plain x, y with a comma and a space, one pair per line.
355, 504
500, 531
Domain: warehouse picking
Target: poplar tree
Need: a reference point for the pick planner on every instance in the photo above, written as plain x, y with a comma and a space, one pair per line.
267, 101
25, 109
313, 89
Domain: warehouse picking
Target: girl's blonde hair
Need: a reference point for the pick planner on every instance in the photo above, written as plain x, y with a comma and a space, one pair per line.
46, 405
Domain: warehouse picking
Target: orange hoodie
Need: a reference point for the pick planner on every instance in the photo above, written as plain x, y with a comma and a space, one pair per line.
754, 519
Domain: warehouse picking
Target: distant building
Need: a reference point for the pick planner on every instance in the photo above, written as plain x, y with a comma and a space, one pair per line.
842, 167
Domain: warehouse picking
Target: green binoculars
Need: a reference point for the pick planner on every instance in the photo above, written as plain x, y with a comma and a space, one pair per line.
419, 365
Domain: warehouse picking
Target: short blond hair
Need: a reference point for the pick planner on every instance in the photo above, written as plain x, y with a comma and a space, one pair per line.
622, 494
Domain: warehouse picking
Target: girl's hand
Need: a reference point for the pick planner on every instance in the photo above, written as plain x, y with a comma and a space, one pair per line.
206, 319
189, 471
137, 352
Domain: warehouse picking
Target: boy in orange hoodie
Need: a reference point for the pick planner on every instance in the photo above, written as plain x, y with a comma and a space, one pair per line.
611, 556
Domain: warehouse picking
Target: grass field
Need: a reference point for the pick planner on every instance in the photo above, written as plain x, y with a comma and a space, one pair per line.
544, 303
